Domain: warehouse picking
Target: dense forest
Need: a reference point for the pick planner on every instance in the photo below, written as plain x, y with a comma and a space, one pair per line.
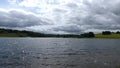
23, 33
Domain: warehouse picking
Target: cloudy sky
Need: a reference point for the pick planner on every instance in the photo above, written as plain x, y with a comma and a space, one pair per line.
60, 16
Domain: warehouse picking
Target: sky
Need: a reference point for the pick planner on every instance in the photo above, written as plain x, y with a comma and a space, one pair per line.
60, 16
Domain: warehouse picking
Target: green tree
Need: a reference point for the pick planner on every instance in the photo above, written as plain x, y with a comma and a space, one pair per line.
117, 32
106, 33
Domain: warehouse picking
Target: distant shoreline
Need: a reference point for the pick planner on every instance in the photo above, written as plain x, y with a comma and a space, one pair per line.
59, 37
29, 34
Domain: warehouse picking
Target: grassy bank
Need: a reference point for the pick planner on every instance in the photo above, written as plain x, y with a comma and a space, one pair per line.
13, 35
112, 36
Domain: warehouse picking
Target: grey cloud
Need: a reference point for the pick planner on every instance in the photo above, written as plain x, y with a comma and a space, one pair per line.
98, 15
91, 16
74, 29
72, 5
71, 17
19, 19
59, 10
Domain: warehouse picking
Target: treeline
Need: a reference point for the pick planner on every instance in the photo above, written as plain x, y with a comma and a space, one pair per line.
109, 32
24, 33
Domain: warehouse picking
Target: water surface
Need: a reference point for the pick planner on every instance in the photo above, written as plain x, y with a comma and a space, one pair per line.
59, 53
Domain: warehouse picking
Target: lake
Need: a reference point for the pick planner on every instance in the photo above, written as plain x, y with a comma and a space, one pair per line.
59, 53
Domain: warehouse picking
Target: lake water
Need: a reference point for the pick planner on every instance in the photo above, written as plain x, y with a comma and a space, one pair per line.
59, 53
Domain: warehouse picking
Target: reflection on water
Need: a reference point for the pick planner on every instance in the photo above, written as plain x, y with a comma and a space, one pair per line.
59, 53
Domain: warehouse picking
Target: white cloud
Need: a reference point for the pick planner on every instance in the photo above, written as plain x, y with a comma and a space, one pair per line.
29, 3
12, 1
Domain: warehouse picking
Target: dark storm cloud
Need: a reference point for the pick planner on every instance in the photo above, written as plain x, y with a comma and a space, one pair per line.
14, 18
